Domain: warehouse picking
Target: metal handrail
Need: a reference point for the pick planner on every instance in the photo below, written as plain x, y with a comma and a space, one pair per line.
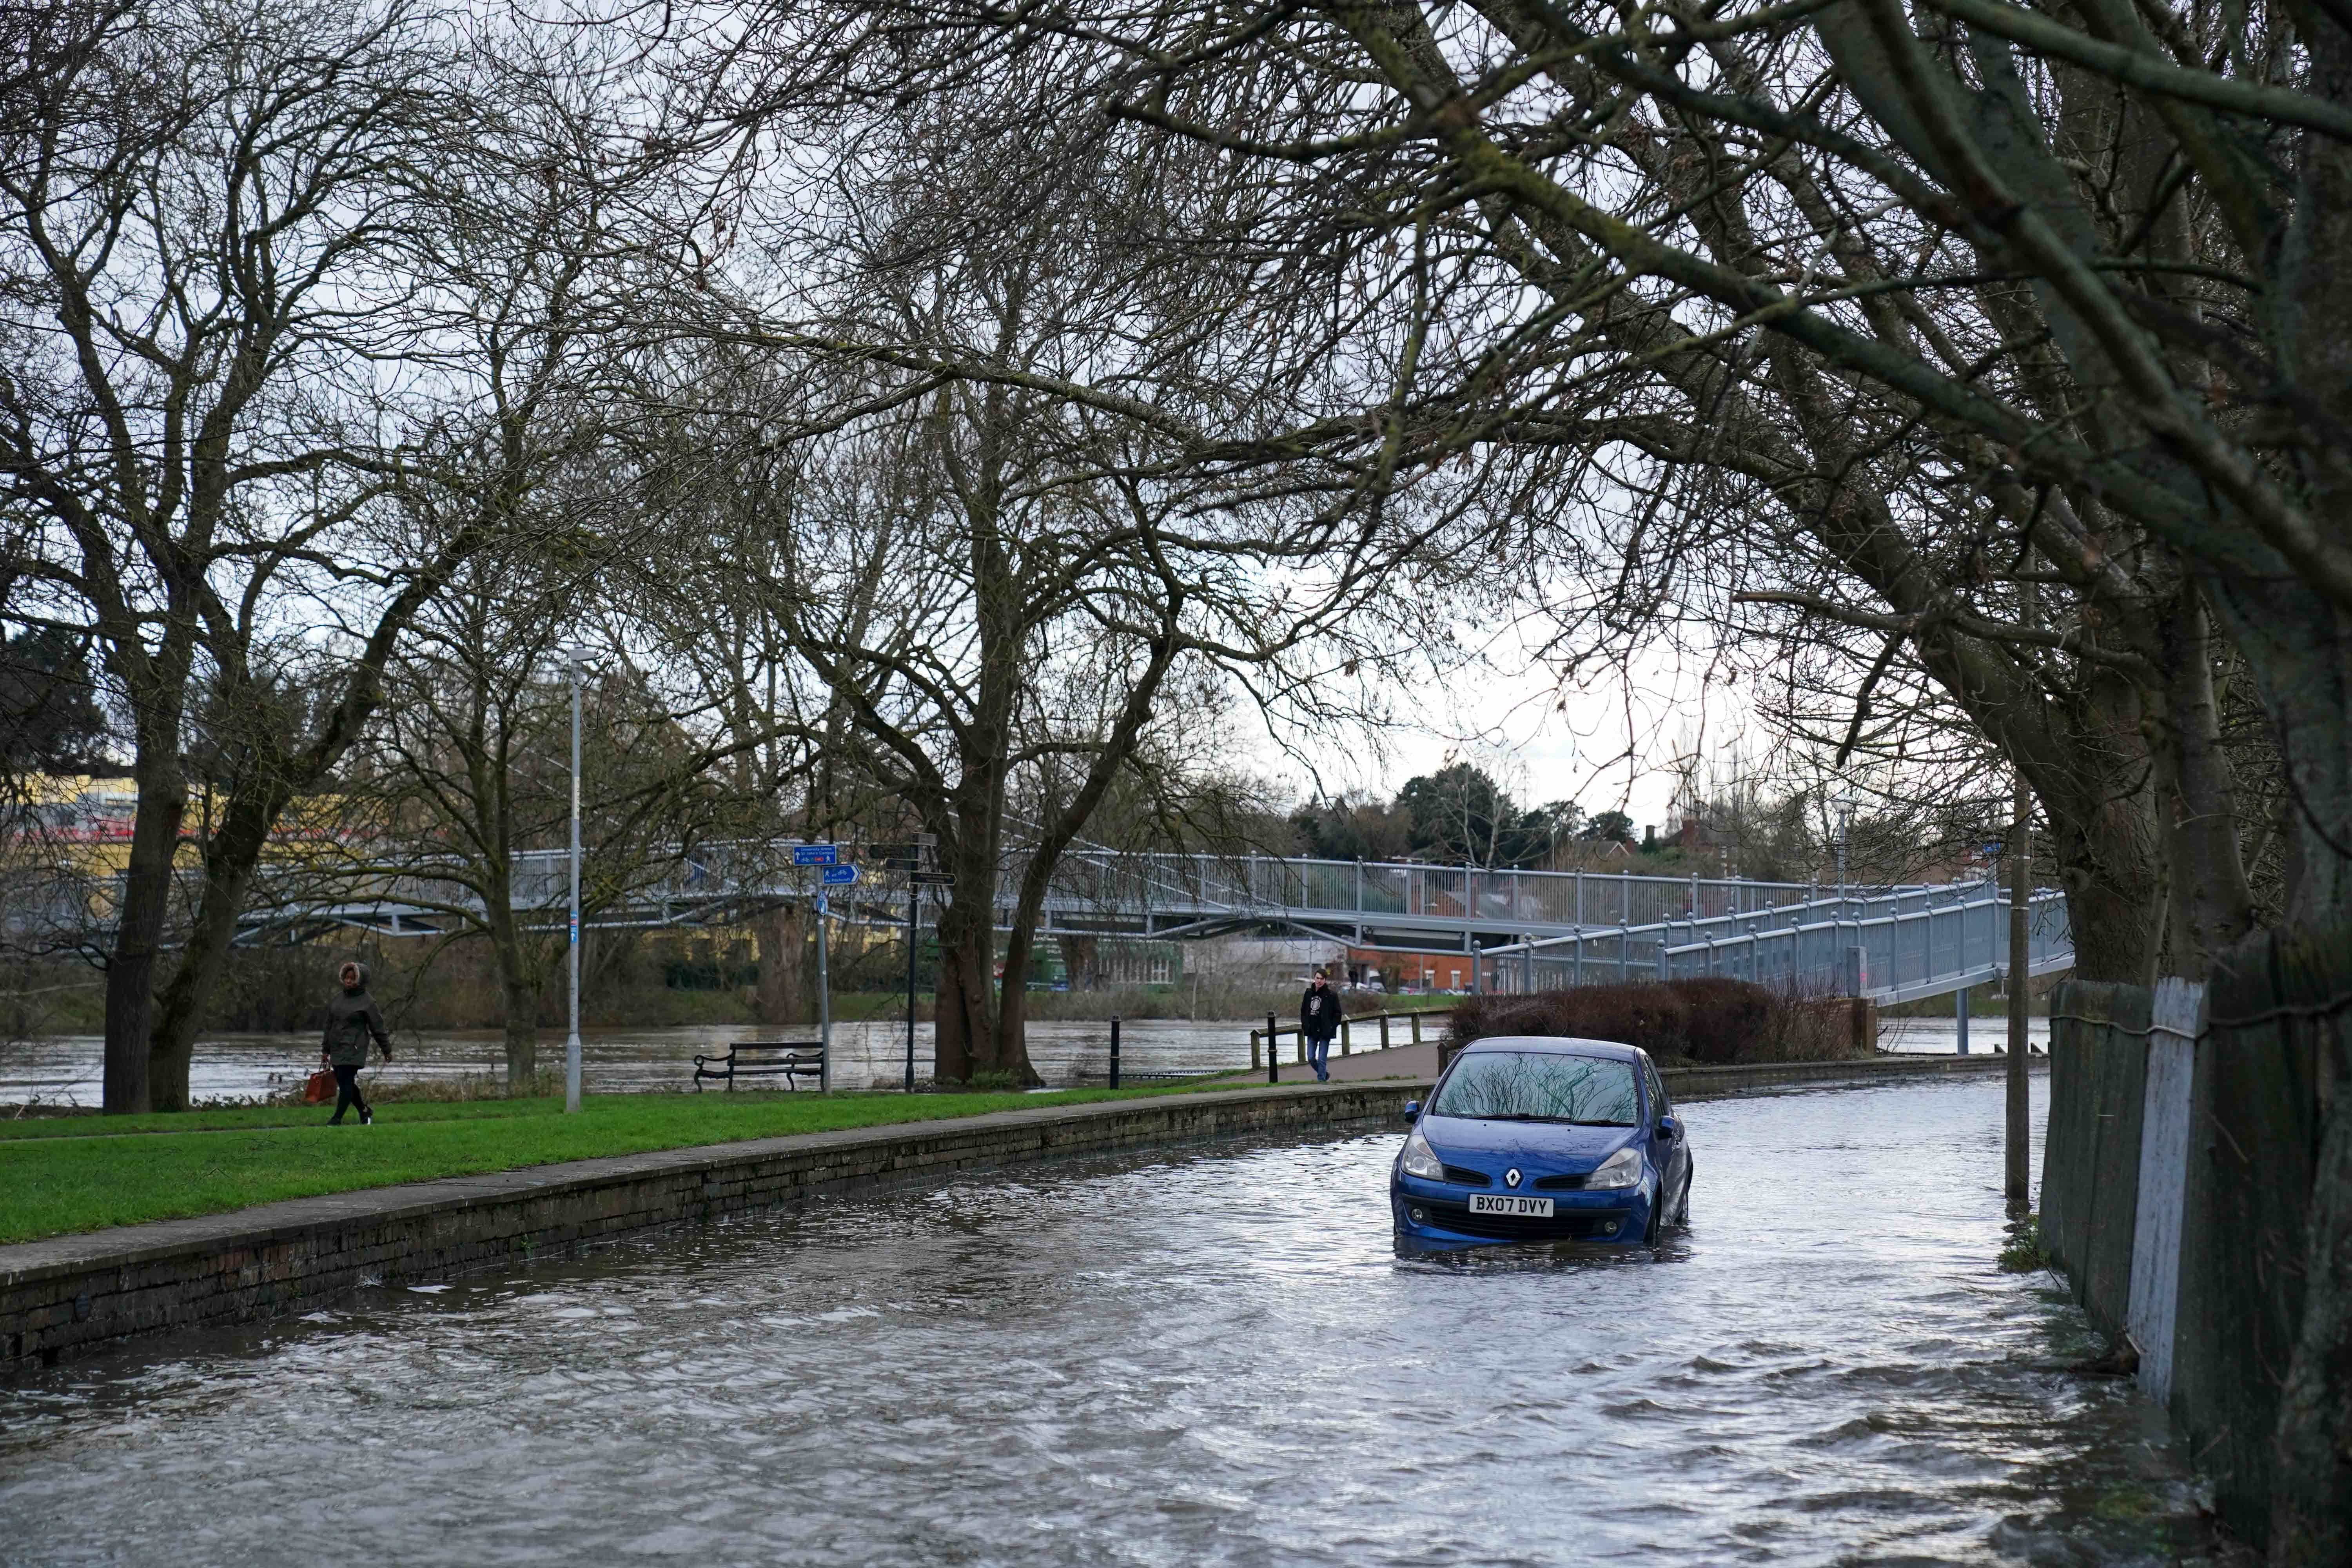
1863, 948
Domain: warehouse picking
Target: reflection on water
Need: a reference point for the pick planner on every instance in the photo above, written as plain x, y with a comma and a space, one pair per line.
1213, 1358
238, 1067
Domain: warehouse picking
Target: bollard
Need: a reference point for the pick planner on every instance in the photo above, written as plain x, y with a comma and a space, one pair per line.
1384, 1031
1416, 1028
1255, 1063
1114, 1050
1343, 1036
1273, 1052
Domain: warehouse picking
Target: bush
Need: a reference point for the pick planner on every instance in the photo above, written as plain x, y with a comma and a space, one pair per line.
1714, 1021
1731, 1020
1653, 1017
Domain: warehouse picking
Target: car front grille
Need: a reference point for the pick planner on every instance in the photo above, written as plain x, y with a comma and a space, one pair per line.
1575, 1225
1464, 1175
1558, 1184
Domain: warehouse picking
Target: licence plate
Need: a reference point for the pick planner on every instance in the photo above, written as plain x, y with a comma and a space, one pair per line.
1511, 1203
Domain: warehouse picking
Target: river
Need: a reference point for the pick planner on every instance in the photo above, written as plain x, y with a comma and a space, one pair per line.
228, 1067
1208, 1357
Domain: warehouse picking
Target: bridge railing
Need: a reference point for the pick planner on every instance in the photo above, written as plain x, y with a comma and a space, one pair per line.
1895, 945
1400, 889
1113, 880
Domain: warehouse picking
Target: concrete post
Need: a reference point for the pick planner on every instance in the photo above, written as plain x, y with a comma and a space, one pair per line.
1962, 1007
1857, 971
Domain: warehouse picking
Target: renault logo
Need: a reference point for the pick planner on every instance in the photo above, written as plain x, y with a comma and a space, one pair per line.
1511, 1177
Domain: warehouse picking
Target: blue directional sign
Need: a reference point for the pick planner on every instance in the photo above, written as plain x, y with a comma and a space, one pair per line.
816, 855
840, 876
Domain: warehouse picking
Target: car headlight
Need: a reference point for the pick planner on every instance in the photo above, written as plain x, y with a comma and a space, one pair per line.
1623, 1168
1421, 1160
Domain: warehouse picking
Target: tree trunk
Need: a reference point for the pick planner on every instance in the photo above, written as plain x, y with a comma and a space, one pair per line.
521, 1034
230, 857
1010, 1054
2112, 881
139, 924
519, 985
2300, 651
2211, 903
964, 1041
785, 981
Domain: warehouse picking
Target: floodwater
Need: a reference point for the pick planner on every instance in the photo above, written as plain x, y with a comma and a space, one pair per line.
1213, 1357
68, 1070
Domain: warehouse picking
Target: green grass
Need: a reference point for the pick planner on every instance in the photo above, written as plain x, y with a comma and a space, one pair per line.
2024, 1253
82, 1173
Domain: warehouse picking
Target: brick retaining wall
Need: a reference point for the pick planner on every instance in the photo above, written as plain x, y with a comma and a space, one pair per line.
66, 1294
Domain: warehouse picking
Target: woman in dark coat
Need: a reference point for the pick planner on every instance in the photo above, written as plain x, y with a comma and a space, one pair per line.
1318, 1020
351, 1020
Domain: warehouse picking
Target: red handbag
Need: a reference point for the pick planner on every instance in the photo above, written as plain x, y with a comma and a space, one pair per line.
319, 1088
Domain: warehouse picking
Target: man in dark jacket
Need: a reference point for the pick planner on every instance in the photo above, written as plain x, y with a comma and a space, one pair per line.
1318, 1020
351, 1020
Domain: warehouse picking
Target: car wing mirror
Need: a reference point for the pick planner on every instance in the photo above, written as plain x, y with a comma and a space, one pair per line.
1413, 1108
1666, 1128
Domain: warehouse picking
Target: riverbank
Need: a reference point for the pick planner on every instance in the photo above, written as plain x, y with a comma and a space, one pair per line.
72, 1175
66, 1293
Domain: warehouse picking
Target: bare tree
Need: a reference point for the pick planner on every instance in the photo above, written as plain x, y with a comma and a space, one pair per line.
198, 236
994, 530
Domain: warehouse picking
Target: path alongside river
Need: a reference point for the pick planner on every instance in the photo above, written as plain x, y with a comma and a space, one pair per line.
1208, 1358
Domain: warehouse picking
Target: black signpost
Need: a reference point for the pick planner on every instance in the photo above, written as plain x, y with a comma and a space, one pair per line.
914, 913
907, 857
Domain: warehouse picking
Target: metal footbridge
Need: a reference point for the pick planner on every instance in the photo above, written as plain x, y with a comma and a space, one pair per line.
1525, 930
1522, 930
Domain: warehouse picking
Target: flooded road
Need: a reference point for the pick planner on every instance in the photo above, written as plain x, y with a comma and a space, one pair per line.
1214, 1357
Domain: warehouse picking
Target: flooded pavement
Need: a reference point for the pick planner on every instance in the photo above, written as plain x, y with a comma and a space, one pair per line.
1216, 1357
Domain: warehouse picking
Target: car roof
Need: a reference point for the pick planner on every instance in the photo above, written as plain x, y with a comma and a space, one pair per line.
1557, 1045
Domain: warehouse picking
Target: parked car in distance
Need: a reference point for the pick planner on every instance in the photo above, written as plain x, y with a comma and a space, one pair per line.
1537, 1138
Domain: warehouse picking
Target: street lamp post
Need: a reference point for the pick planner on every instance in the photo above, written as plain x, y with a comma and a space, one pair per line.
571, 1039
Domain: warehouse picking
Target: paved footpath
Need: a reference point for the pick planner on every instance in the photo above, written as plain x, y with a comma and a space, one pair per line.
1398, 1061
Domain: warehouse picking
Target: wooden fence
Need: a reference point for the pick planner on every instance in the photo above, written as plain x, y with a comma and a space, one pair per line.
2184, 1130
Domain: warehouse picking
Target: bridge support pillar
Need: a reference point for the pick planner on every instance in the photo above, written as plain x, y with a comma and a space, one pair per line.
1961, 1006
1857, 971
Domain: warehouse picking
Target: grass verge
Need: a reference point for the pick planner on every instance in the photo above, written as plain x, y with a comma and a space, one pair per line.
85, 1174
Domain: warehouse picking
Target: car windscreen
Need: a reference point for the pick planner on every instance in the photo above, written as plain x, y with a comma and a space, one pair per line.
1540, 1085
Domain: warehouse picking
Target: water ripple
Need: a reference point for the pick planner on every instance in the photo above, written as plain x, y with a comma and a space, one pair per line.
1213, 1359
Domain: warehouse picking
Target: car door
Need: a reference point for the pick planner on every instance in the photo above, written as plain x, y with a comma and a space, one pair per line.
1678, 1153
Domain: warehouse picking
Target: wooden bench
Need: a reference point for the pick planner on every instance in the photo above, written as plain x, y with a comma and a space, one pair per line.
787, 1059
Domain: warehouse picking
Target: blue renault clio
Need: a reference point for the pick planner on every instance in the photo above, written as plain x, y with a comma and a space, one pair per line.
1533, 1138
